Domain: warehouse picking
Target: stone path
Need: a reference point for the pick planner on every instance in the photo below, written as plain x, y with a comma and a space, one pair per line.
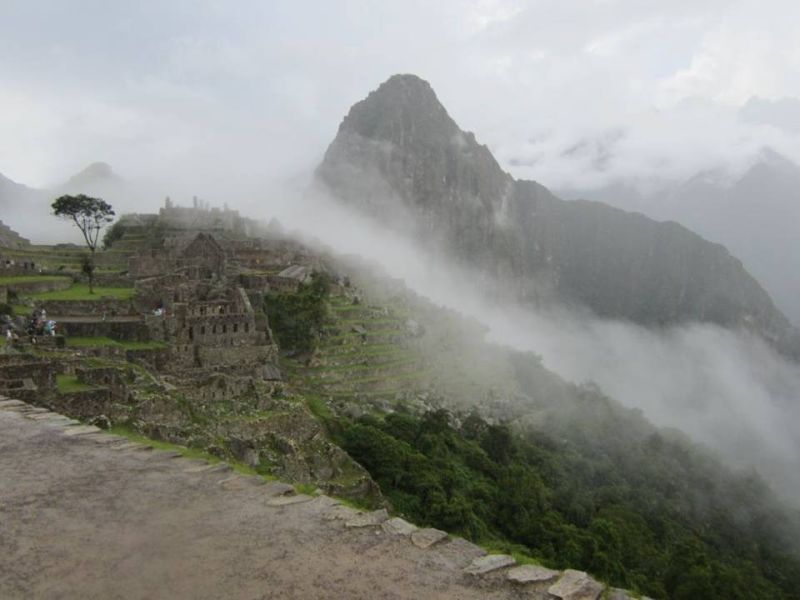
87, 515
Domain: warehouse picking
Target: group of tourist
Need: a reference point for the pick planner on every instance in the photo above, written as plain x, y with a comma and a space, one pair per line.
38, 325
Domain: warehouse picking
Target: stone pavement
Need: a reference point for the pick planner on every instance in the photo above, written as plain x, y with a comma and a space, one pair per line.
85, 514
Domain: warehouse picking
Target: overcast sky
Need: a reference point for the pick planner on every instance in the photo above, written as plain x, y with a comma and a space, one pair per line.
216, 93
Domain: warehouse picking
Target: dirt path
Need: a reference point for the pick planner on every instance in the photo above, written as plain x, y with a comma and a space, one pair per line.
82, 518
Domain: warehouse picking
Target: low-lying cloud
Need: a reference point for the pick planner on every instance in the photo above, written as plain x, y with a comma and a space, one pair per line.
726, 389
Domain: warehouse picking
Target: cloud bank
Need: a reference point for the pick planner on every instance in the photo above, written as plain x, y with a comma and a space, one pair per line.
728, 390
209, 95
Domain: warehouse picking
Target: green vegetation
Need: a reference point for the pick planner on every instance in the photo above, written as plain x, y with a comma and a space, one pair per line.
297, 319
81, 291
69, 383
90, 216
93, 342
31, 279
656, 516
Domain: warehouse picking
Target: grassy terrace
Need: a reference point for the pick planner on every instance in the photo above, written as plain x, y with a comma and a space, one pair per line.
31, 279
94, 342
69, 383
80, 291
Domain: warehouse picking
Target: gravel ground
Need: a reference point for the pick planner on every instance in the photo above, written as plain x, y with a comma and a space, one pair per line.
85, 519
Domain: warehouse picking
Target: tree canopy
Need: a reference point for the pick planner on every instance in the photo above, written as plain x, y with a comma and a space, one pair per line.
89, 214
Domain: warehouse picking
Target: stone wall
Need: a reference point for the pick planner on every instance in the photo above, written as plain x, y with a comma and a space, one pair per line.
244, 360
133, 330
73, 308
37, 287
85, 404
113, 378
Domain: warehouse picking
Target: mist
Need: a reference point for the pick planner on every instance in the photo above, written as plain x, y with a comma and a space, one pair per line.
727, 389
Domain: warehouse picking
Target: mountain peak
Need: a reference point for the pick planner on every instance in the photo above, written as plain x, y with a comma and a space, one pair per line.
401, 134
97, 172
403, 107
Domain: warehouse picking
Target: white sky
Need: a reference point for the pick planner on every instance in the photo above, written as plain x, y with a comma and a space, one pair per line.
218, 94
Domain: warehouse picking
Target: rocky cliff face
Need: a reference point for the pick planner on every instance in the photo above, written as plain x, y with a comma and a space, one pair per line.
399, 156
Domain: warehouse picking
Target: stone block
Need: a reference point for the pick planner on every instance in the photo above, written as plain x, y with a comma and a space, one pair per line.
532, 574
425, 538
459, 552
9, 403
398, 526
344, 513
289, 500
278, 488
75, 430
487, 564
367, 519
576, 585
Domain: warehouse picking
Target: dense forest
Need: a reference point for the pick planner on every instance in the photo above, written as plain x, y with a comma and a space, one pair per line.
660, 518
574, 481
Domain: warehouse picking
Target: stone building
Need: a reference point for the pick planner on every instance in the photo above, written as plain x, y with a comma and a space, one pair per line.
203, 258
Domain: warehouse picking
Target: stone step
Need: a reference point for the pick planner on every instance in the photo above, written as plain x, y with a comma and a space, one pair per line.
492, 562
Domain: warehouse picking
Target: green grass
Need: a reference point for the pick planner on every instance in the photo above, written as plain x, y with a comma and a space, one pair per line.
20, 309
142, 345
80, 291
89, 342
309, 489
69, 383
94, 342
31, 279
318, 407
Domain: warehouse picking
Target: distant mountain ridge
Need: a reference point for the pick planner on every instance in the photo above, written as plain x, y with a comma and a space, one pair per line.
399, 155
27, 210
753, 213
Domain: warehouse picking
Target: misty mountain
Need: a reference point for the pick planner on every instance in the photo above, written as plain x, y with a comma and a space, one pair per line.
27, 210
96, 176
754, 214
400, 157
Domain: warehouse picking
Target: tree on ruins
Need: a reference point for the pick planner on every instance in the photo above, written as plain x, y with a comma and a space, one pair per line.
90, 215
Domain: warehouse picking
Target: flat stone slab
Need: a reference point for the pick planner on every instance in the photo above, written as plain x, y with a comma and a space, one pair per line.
165, 454
278, 488
10, 403
576, 585
532, 574
323, 503
460, 552
135, 446
216, 468
367, 519
81, 430
59, 421
45, 416
104, 438
398, 526
425, 538
344, 513
239, 482
489, 563
289, 500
